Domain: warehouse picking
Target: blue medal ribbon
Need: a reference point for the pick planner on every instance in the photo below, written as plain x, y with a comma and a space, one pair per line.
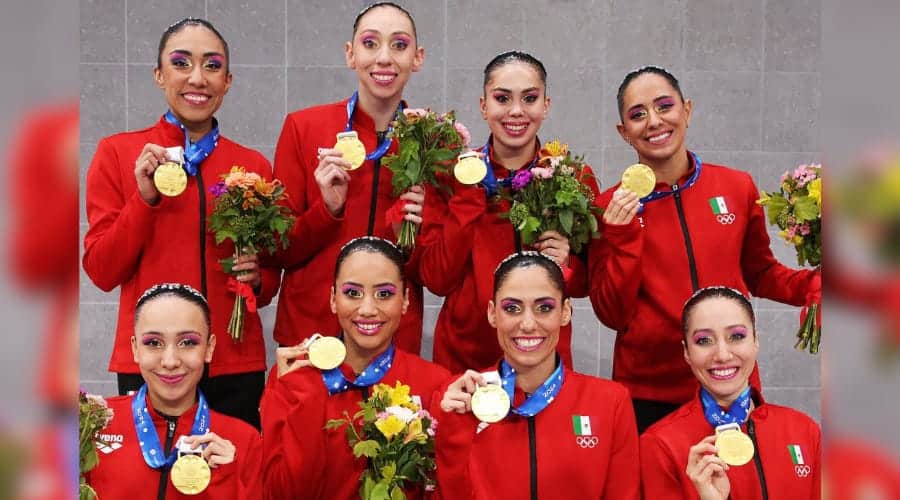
490, 182
336, 382
736, 414
195, 153
658, 195
385, 143
541, 398
151, 448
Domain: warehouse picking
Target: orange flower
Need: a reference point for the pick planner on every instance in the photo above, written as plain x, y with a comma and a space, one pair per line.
554, 148
265, 188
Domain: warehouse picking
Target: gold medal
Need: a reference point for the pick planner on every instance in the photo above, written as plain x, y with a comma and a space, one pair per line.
190, 474
733, 446
470, 169
170, 179
326, 353
639, 179
351, 148
490, 403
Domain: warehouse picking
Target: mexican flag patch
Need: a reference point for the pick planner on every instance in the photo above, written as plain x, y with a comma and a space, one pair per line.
796, 454
718, 205
581, 424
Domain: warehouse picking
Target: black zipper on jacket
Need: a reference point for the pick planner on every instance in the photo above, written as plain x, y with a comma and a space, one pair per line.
695, 283
365, 392
373, 204
532, 457
751, 430
164, 470
202, 193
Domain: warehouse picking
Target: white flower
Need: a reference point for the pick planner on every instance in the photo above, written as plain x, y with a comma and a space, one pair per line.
404, 414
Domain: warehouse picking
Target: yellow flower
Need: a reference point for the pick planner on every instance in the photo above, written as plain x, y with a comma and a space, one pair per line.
399, 395
414, 430
815, 190
390, 426
555, 148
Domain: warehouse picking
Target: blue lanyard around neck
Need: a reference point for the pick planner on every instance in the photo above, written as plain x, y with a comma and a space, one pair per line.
336, 382
490, 182
385, 142
195, 153
736, 414
541, 398
151, 448
658, 195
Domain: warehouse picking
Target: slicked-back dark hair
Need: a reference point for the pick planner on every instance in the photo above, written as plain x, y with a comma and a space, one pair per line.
514, 56
371, 6
370, 244
180, 25
656, 70
715, 292
179, 290
521, 260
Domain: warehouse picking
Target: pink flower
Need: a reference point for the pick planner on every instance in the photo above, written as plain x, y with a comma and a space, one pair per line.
791, 232
784, 177
542, 172
804, 229
463, 133
415, 112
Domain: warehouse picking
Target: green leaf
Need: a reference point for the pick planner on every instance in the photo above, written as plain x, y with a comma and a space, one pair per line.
380, 492
565, 219
368, 448
774, 207
335, 423
367, 487
397, 494
388, 471
805, 209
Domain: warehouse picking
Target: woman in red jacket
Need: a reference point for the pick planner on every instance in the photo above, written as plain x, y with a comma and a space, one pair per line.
464, 236
700, 226
333, 203
680, 457
138, 237
567, 435
168, 417
369, 297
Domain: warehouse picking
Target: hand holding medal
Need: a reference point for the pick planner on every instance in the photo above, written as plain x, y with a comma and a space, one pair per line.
470, 169
707, 471
639, 179
490, 402
732, 445
191, 473
170, 178
351, 148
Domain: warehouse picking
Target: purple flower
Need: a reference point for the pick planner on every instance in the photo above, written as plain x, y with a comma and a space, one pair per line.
218, 189
521, 179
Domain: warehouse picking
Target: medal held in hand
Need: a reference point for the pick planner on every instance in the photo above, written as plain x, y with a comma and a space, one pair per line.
639, 179
190, 474
170, 178
490, 403
732, 445
470, 169
325, 353
351, 148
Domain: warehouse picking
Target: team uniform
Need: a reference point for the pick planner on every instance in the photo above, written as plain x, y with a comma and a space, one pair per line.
709, 232
305, 461
582, 445
786, 461
134, 246
123, 473
317, 236
464, 241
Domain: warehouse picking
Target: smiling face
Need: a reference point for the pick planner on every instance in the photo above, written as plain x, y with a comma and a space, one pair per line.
654, 119
721, 347
369, 299
528, 310
514, 105
384, 53
194, 76
171, 345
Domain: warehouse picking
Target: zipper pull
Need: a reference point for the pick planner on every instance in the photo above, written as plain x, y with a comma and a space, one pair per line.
171, 428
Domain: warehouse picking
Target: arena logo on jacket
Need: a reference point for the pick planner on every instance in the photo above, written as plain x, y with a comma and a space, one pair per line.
800, 466
584, 434
108, 443
720, 210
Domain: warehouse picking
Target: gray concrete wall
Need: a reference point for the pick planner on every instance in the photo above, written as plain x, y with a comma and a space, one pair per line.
752, 68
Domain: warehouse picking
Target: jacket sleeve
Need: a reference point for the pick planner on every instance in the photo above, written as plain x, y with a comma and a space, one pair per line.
251, 478
764, 275
660, 474
314, 227
624, 473
578, 284
453, 442
292, 420
615, 273
120, 222
449, 229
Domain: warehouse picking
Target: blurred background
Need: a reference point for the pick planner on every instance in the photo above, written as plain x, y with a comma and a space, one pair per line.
774, 84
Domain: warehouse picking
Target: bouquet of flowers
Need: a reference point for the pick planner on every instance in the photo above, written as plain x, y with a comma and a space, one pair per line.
551, 196
248, 213
397, 436
428, 145
797, 209
93, 415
